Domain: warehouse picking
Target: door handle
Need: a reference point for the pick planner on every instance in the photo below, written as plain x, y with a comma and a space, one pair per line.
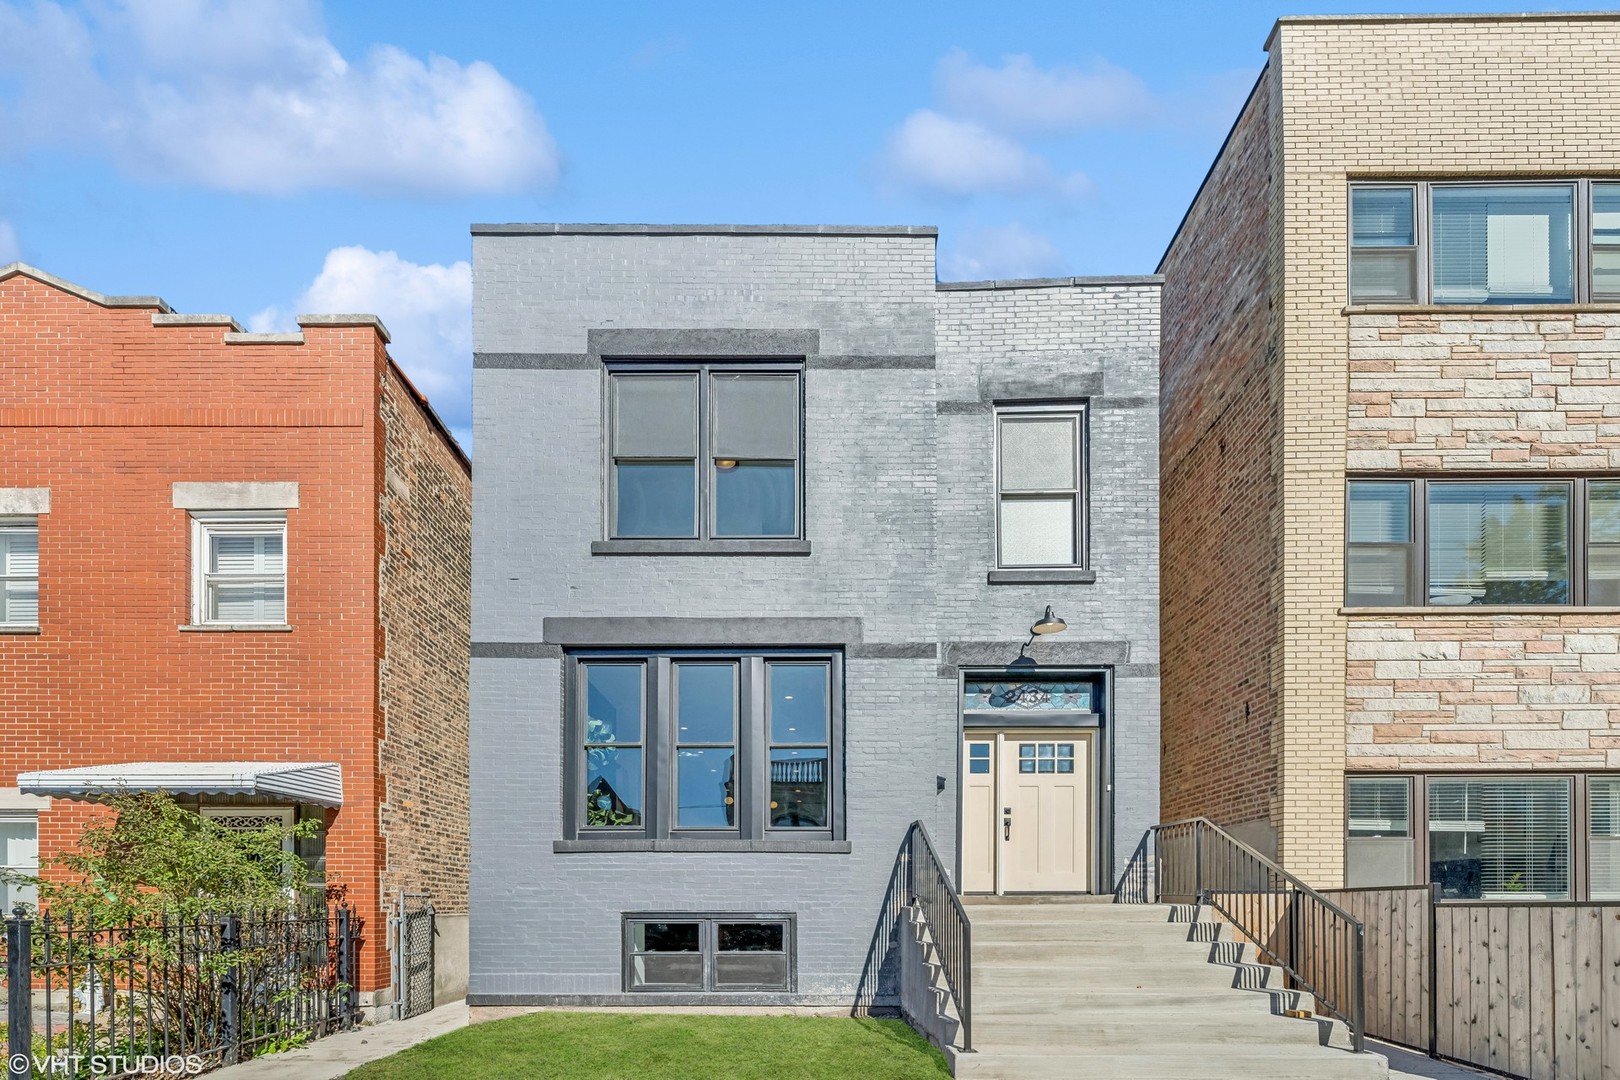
1006, 823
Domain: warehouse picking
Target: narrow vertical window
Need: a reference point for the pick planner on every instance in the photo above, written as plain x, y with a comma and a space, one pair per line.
706, 746
1603, 542
1605, 241
241, 574
755, 453
1383, 245
1378, 827
1500, 839
1499, 543
19, 858
614, 726
1503, 244
1603, 843
1039, 506
799, 723
19, 572
654, 447
1379, 563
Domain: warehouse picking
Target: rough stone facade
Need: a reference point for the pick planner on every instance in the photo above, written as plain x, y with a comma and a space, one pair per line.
899, 382
1416, 391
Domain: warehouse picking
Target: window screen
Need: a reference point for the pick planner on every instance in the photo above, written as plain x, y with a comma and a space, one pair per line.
1383, 244
19, 574
1502, 244
1039, 489
1500, 839
1603, 843
1378, 568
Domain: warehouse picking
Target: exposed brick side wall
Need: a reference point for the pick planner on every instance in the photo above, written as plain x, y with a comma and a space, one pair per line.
1221, 415
1521, 391
1494, 692
426, 511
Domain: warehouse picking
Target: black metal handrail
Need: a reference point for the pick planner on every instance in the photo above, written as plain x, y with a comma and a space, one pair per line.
934, 897
1320, 946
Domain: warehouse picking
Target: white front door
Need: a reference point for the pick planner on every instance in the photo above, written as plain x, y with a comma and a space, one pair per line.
1027, 811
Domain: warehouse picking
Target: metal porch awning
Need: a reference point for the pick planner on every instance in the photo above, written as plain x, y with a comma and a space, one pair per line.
318, 782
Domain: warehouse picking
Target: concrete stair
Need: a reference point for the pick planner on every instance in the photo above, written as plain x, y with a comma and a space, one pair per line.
1089, 989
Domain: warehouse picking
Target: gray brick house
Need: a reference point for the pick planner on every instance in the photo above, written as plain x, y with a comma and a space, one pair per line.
763, 517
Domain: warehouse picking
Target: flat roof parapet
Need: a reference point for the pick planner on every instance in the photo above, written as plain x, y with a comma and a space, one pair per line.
1502, 17
1050, 283
593, 229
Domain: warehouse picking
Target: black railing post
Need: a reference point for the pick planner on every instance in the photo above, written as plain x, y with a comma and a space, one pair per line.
1198, 862
1358, 987
1434, 969
230, 1004
19, 996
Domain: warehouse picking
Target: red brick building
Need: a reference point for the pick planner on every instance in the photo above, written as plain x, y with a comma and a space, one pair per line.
234, 567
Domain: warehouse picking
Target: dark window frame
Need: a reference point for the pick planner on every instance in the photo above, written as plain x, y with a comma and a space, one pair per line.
1080, 414
708, 948
1583, 288
1580, 828
1578, 525
660, 782
703, 370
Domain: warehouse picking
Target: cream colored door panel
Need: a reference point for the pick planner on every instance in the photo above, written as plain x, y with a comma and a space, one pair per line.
1046, 791
979, 817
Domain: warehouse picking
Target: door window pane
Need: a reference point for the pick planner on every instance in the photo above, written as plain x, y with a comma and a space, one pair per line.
1065, 757
1500, 839
1037, 532
1503, 244
979, 758
1604, 841
655, 499
754, 498
1498, 543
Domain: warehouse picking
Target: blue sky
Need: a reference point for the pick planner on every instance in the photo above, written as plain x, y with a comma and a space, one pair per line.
267, 157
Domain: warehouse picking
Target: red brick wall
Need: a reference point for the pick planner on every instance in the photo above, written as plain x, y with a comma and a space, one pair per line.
1221, 420
109, 411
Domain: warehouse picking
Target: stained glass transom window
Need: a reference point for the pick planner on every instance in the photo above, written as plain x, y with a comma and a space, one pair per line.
1024, 695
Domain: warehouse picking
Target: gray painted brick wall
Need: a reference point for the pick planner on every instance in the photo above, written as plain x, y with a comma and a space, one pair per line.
899, 511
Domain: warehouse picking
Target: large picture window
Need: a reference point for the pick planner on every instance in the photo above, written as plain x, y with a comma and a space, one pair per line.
704, 452
1438, 242
1463, 543
705, 745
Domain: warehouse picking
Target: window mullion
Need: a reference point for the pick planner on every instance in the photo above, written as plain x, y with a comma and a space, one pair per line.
1578, 538
751, 748
661, 781
705, 461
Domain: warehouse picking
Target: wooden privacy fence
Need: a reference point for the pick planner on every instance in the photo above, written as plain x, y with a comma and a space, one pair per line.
1530, 989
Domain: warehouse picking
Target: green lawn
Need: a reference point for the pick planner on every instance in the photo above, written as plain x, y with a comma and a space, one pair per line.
641, 1046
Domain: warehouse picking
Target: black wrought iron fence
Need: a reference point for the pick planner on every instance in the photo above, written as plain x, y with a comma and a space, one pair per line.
192, 993
1320, 946
930, 892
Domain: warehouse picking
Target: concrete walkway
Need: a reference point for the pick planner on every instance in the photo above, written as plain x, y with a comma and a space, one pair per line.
333, 1057
1407, 1064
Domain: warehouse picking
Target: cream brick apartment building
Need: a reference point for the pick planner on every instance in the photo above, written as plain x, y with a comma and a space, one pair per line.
1391, 459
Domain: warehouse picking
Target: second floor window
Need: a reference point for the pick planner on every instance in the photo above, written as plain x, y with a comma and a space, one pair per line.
239, 569
19, 572
707, 452
1040, 487
1485, 243
1455, 543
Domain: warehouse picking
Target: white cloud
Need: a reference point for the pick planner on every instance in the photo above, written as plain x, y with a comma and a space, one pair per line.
959, 157
1007, 251
427, 309
1021, 97
10, 250
250, 96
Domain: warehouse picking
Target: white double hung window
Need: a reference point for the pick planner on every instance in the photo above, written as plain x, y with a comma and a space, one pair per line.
239, 571
19, 572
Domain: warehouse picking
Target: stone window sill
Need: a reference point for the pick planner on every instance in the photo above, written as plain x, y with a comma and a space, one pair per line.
687, 844
1599, 308
700, 547
19, 629
1480, 609
1074, 576
236, 628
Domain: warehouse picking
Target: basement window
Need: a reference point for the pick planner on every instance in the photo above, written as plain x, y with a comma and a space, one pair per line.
689, 954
